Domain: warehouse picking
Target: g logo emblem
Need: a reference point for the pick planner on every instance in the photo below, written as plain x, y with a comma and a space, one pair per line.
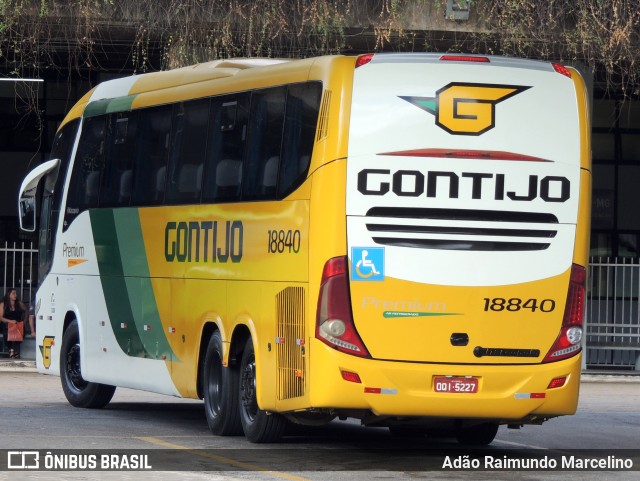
45, 350
466, 108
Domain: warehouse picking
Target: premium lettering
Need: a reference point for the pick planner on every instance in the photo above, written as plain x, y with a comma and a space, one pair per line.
72, 250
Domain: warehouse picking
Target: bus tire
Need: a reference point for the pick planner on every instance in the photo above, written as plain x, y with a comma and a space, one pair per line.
79, 393
478, 435
258, 425
220, 386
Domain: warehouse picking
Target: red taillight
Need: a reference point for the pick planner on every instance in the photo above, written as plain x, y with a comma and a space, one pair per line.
351, 377
561, 69
557, 382
334, 267
569, 341
464, 58
364, 59
334, 321
574, 311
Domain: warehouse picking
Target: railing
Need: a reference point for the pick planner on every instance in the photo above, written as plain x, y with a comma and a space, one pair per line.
613, 314
19, 263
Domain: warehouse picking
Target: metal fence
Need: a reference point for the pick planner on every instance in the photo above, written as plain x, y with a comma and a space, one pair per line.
613, 314
612, 308
19, 264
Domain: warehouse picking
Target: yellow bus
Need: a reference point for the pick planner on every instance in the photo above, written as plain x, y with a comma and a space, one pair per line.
396, 238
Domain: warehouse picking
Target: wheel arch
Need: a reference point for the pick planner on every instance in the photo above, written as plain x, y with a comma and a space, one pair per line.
234, 354
70, 316
207, 331
238, 340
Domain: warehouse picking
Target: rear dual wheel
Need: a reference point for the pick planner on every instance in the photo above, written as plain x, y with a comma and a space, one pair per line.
258, 425
220, 391
230, 398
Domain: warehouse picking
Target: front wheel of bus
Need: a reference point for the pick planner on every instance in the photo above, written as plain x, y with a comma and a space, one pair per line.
220, 391
258, 425
79, 393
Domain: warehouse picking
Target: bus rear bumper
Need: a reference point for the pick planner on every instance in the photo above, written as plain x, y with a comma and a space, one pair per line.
506, 393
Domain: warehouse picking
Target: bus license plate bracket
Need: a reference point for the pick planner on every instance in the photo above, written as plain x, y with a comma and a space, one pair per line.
455, 384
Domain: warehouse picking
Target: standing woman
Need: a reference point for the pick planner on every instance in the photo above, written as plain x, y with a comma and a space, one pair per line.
12, 311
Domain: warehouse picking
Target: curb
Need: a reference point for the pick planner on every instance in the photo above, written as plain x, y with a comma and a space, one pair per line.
610, 378
7, 365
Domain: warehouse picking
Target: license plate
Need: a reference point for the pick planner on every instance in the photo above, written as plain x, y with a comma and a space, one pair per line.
462, 385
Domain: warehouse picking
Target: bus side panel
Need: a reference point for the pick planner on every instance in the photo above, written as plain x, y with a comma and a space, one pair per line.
48, 333
196, 255
87, 282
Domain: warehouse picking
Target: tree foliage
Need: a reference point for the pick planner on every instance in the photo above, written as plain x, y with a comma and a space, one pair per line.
143, 35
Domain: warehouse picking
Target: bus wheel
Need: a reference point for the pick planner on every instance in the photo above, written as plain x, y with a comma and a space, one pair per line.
258, 425
220, 391
478, 435
79, 393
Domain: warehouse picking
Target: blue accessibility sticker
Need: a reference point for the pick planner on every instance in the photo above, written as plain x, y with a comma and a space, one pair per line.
367, 263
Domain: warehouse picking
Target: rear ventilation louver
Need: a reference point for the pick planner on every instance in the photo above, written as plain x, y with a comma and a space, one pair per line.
290, 342
461, 229
323, 120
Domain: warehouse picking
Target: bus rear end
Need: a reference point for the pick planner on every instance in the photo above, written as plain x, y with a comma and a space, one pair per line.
462, 293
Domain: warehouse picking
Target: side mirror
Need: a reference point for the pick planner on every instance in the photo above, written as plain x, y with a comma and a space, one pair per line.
27, 209
27, 194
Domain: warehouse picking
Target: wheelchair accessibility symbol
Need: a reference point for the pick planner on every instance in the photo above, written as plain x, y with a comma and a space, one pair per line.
367, 263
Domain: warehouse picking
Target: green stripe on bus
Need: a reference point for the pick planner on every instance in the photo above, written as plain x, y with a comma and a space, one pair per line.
136, 274
124, 274
107, 106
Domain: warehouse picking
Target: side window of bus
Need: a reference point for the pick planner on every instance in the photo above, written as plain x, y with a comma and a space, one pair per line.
266, 120
227, 138
115, 188
84, 186
186, 161
52, 195
152, 154
303, 105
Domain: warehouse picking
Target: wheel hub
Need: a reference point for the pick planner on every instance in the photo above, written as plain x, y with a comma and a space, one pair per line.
249, 399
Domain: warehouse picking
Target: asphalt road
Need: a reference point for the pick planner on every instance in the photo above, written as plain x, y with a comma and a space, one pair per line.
34, 415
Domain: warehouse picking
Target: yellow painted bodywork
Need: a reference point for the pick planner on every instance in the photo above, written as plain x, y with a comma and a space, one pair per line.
409, 387
581, 253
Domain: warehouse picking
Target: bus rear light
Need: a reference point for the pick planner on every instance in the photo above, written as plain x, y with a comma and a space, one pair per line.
364, 59
557, 382
561, 69
464, 58
334, 321
569, 341
334, 327
351, 376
